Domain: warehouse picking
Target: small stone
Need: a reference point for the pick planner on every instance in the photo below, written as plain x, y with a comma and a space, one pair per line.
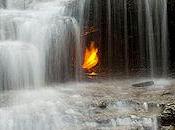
103, 105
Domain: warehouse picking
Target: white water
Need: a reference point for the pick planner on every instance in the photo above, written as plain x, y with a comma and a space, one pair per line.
47, 26
19, 65
156, 35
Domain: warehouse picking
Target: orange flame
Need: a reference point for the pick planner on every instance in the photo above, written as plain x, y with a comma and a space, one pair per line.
91, 58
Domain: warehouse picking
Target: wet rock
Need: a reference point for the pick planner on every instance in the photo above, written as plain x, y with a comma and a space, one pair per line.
103, 104
100, 121
168, 128
167, 116
144, 84
172, 128
165, 93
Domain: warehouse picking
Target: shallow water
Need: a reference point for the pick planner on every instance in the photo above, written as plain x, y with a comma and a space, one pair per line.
97, 105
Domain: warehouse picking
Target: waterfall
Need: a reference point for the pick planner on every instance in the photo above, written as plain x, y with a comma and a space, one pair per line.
156, 35
135, 40
137, 37
48, 30
20, 65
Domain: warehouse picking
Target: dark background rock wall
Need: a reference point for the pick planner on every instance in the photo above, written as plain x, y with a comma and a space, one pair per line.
118, 61
171, 30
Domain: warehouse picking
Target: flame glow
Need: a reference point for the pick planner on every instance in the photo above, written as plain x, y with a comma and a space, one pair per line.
91, 58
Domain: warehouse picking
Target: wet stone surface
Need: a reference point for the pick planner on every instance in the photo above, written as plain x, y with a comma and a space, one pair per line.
167, 116
109, 105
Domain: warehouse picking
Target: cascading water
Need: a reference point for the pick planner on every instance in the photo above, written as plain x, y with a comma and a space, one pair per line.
19, 65
156, 35
50, 27
39, 44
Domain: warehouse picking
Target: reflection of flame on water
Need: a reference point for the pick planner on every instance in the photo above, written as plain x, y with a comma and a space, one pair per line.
91, 58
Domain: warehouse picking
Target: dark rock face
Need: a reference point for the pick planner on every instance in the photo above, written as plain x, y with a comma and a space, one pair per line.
171, 31
167, 117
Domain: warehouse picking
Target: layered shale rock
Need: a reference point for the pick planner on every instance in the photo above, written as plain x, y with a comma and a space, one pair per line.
167, 117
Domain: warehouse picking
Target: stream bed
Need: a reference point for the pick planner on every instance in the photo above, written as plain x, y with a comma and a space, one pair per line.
102, 105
